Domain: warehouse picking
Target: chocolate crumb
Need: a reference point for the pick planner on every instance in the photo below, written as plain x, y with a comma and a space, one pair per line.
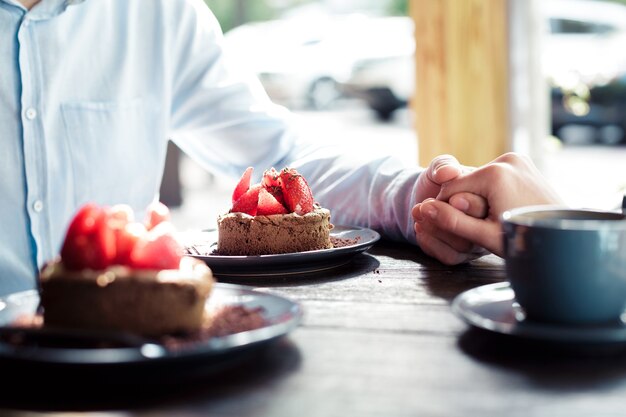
339, 242
221, 321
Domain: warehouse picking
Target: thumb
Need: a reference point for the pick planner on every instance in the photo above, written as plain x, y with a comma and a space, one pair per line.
441, 169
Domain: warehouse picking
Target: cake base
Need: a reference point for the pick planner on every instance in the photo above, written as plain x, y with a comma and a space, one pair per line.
145, 302
242, 234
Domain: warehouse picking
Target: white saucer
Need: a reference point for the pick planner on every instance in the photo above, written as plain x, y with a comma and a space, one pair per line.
493, 307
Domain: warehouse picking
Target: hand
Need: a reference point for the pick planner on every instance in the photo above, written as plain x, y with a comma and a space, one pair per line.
509, 181
442, 169
435, 238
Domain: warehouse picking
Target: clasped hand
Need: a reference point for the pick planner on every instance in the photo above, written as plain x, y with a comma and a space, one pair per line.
458, 218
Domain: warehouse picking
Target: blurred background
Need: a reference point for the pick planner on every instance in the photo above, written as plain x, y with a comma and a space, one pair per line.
348, 67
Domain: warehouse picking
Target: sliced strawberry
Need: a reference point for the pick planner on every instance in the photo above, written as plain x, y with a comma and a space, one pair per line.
296, 192
277, 193
89, 241
120, 215
125, 231
248, 202
157, 249
243, 185
269, 205
271, 178
125, 240
156, 213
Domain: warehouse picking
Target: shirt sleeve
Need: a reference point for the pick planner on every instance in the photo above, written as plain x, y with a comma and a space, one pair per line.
377, 193
222, 117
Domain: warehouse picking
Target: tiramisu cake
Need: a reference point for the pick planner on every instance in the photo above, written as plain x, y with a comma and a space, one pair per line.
121, 275
277, 215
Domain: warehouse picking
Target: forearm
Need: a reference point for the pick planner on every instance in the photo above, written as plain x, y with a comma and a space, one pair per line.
377, 193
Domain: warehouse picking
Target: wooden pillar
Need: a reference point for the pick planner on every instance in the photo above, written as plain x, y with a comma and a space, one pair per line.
461, 99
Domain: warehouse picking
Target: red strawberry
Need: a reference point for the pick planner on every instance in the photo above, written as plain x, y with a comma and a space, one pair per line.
125, 230
296, 192
248, 202
243, 185
156, 213
271, 178
89, 241
120, 215
269, 205
125, 240
277, 193
157, 249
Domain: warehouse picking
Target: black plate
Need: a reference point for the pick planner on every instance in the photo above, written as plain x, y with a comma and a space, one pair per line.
150, 361
281, 264
493, 308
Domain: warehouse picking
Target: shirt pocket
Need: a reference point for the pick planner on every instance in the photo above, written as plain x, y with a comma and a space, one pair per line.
117, 151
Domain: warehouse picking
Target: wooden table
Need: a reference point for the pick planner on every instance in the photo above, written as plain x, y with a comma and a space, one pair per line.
378, 338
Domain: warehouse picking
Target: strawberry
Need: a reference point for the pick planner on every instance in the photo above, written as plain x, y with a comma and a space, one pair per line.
120, 215
157, 249
156, 213
89, 241
277, 193
268, 204
125, 240
248, 202
271, 178
296, 192
243, 185
126, 231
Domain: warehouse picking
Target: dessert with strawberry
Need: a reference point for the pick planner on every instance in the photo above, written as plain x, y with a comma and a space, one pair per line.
277, 215
115, 273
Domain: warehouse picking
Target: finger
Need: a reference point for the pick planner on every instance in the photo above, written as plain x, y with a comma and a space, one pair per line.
482, 232
441, 169
416, 213
439, 250
470, 204
444, 168
454, 241
463, 246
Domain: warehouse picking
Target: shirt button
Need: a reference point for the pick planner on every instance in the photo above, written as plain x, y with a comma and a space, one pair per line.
38, 206
31, 113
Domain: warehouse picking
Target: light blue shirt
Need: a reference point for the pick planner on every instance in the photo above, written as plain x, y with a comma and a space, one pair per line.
90, 91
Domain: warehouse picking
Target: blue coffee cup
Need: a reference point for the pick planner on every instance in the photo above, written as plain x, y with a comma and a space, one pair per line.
566, 266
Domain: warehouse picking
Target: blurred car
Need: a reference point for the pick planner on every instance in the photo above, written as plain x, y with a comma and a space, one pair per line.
385, 79
386, 84
585, 65
301, 60
584, 61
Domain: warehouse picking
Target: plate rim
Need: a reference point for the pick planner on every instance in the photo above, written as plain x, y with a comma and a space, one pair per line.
285, 265
529, 329
361, 246
153, 353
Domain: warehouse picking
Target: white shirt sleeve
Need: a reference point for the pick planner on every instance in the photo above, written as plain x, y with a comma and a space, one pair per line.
222, 118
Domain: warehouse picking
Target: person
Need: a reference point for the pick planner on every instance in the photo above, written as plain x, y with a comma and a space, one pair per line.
90, 93
464, 219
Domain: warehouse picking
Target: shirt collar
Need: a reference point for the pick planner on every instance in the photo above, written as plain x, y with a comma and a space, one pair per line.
45, 9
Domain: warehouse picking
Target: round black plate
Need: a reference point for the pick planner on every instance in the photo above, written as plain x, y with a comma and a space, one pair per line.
281, 264
149, 361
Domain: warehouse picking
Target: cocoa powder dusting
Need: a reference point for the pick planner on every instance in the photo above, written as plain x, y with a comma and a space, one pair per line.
340, 242
222, 321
